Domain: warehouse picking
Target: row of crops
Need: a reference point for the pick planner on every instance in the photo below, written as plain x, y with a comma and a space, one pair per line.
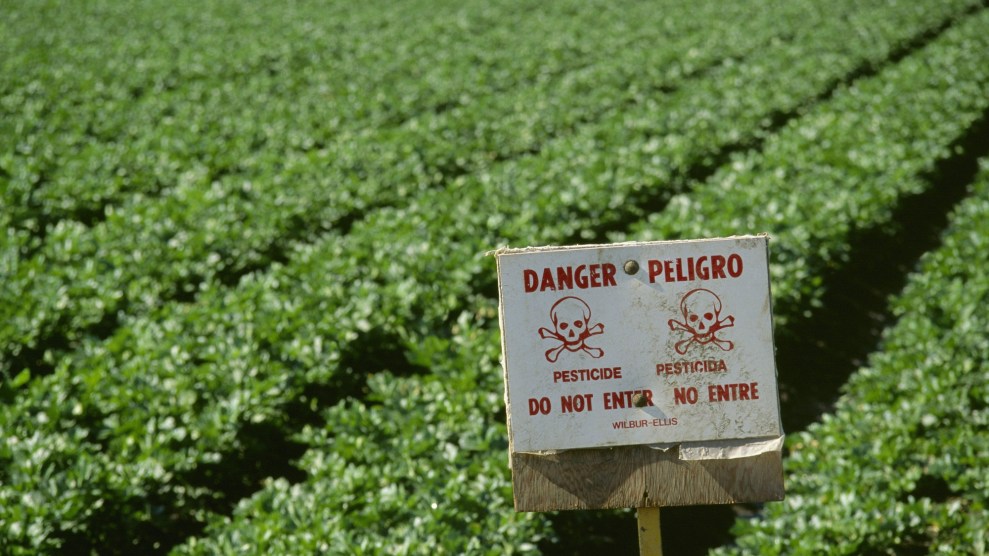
900, 466
245, 299
207, 230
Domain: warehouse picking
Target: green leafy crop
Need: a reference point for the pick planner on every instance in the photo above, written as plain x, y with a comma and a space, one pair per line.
244, 302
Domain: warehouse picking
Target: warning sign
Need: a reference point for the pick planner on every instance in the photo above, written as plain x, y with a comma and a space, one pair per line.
640, 343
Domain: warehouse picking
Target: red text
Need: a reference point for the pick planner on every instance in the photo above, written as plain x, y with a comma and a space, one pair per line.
733, 392
577, 375
688, 269
567, 277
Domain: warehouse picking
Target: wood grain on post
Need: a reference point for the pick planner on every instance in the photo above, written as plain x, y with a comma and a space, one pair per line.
640, 477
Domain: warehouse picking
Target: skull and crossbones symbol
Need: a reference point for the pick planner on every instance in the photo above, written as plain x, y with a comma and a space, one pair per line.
701, 310
571, 318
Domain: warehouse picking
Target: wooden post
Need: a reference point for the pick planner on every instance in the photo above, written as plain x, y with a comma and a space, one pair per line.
650, 537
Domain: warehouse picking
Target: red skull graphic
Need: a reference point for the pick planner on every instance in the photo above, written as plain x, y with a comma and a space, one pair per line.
571, 317
701, 310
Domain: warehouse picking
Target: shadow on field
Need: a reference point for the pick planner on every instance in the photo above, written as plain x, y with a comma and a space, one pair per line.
816, 354
654, 197
686, 530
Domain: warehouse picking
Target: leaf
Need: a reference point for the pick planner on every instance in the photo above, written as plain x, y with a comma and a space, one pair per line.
21, 379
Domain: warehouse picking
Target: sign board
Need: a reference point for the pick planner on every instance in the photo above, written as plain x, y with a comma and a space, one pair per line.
648, 346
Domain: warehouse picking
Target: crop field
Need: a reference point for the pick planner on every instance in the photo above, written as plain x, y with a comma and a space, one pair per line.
245, 305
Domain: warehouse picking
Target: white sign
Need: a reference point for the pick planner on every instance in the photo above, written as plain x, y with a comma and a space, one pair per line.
638, 343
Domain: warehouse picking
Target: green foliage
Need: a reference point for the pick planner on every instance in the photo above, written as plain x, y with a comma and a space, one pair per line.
254, 522
285, 186
840, 167
902, 462
260, 222
418, 467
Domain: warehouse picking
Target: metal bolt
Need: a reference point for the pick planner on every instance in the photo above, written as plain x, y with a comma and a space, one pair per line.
639, 400
631, 267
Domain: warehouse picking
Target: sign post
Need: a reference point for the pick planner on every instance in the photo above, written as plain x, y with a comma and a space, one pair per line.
640, 375
650, 537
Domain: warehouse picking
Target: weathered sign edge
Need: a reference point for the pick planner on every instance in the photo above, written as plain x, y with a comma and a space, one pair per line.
507, 250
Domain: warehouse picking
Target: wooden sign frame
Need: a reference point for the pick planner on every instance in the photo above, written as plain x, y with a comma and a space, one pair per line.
640, 477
